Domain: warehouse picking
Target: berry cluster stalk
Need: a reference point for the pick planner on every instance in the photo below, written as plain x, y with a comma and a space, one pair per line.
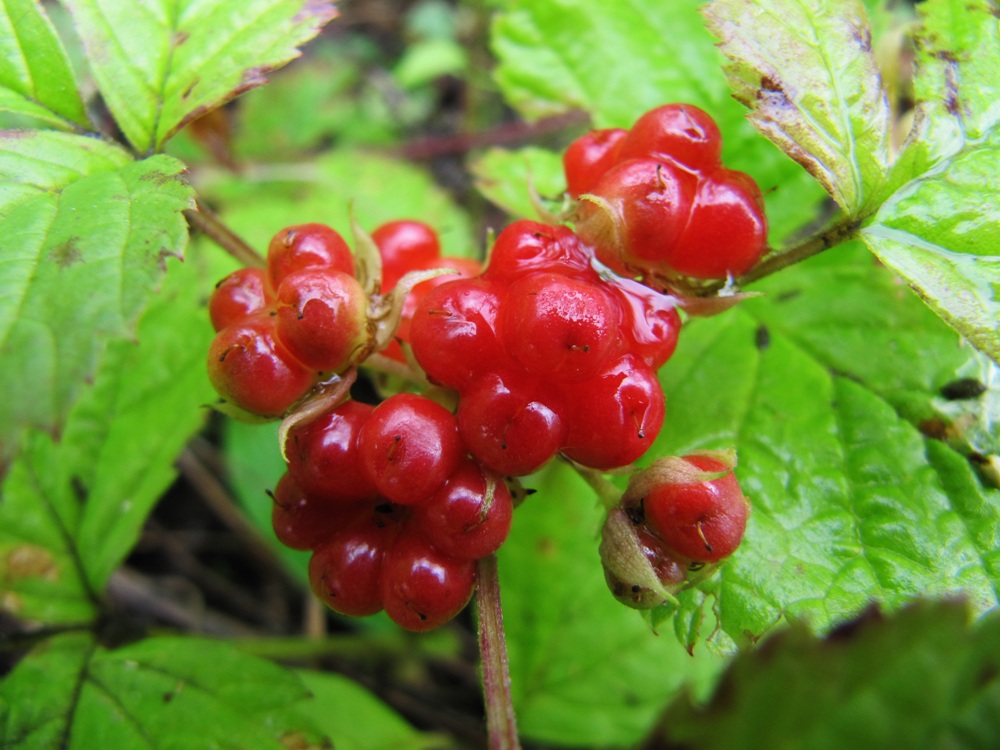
501, 723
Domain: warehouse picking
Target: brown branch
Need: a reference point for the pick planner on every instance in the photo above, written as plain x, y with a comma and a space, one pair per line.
208, 223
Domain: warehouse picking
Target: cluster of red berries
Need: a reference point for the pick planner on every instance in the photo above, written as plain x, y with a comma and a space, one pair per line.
656, 201
395, 512
678, 519
548, 350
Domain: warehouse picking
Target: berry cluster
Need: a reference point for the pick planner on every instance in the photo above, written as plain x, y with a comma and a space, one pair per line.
548, 354
283, 328
395, 512
680, 516
553, 348
657, 202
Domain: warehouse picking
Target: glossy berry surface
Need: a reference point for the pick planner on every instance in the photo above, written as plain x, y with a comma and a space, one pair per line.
239, 295
700, 520
679, 132
301, 521
421, 587
251, 369
307, 246
405, 245
408, 447
321, 317
528, 247
588, 157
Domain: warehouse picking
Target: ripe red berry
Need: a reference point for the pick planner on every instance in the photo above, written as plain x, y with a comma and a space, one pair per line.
559, 327
652, 323
408, 448
346, 570
422, 588
527, 247
251, 369
453, 331
239, 295
405, 246
321, 318
699, 520
622, 416
302, 521
511, 423
680, 132
469, 517
727, 231
307, 246
589, 157
323, 454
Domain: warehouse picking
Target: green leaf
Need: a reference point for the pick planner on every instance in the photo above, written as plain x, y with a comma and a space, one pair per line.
585, 671
159, 692
259, 203
805, 69
356, 720
504, 178
940, 233
816, 385
922, 678
618, 60
86, 235
71, 510
179, 60
36, 78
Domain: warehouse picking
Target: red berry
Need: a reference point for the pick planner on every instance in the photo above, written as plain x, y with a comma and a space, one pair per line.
251, 369
680, 132
346, 570
302, 521
527, 247
322, 318
408, 448
558, 327
652, 323
511, 423
405, 246
453, 331
469, 517
702, 521
240, 295
620, 414
727, 231
323, 454
307, 246
589, 157
422, 588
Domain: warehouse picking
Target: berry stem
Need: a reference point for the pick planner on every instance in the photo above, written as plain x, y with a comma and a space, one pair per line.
501, 724
608, 494
833, 235
207, 221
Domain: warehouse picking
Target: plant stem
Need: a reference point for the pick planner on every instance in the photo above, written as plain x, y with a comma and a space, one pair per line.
817, 243
206, 221
607, 492
501, 724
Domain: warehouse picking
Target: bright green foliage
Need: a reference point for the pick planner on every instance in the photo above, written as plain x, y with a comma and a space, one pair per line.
159, 692
36, 79
815, 385
506, 177
585, 670
805, 69
179, 60
86, 235
923, 678
73, 509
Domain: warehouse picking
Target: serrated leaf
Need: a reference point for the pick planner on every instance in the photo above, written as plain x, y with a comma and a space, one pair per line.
159, 692
618, 60
940, 233
36, 78
922, 678
181, 59
86, 235
850, 501
805, 69
71, 510
585, 671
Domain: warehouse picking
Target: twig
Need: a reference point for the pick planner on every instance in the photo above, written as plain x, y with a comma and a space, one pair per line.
501, 724
206, 221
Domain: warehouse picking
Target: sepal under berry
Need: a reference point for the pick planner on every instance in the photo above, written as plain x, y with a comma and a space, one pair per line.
628, 569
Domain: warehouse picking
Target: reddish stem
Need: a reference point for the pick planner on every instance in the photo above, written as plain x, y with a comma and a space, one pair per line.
501, 724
